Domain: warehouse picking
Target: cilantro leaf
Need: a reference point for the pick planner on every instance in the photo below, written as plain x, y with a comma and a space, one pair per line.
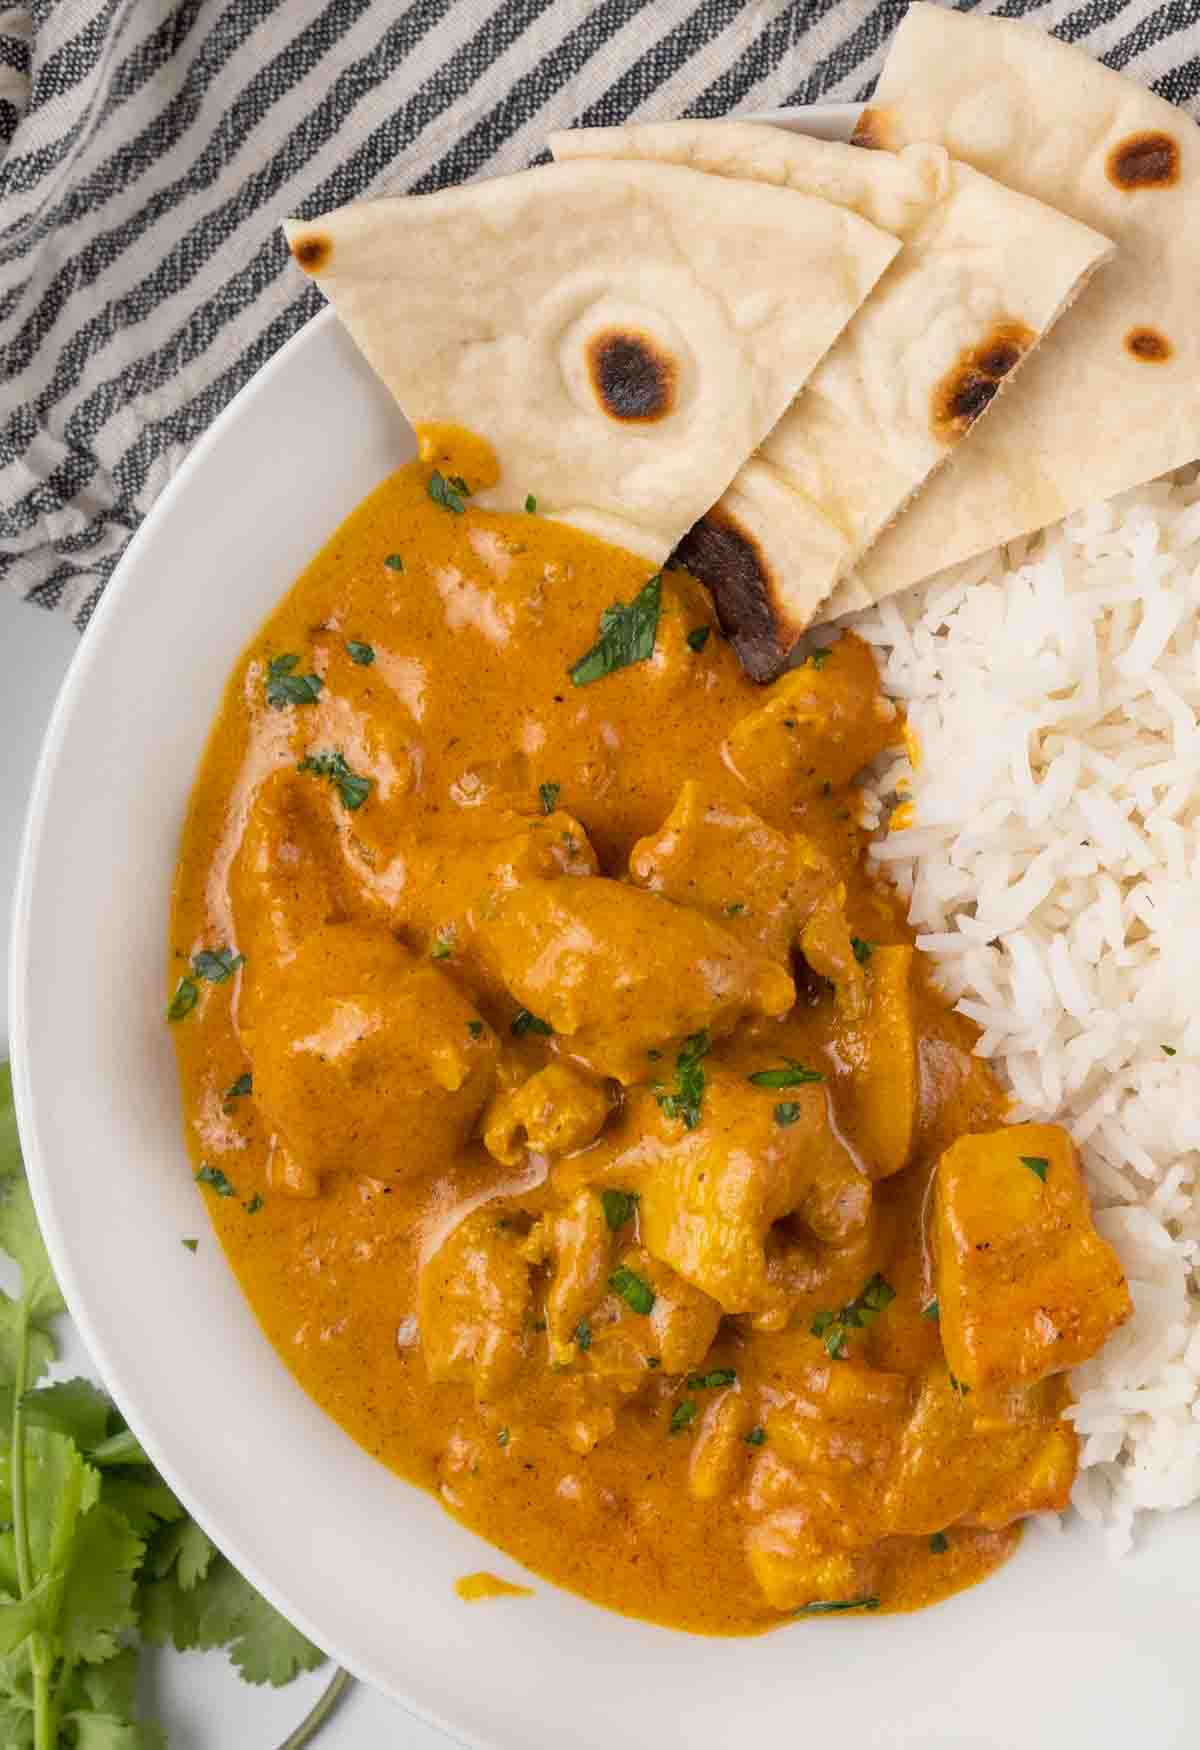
216, 964
711, 1381
618, 1207
10, 1147
268, 1649
284, 687
627, 635
834, 1327
531, 504
683, 1415
697, 638
360, 653
394, 562
351, 787
791, 1075
684, 1100
215, 1177
549, 796
633, 1290
183, 1547
184, 1001
526, 1022
74, 1407
97, 1599
862, 950
1038, 1165
827, 1606
243, 1085
448, 493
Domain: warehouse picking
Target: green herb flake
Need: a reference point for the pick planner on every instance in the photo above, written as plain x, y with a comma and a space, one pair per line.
362, 654
829, 1606
684, 1100
833, 1328
618, 1207
787, 1112
394, 562
441, 949
284, 687
819, 657
1170, 1050
531, 504
683, 1415
756, 1437
735, 909
243, 1085
713, 1380
583, 1336
790, 1075
627, 635
216, 964
255, 1204
449, 493
931, 1311
475, 1029
862, 950
352, 788
214, 1177
956, 1385
1038, 1165
502, 1438
633, 1290
697, 638
653, 1361
190, 1244
184, 1001
939, 1543
524, 1021
549, 797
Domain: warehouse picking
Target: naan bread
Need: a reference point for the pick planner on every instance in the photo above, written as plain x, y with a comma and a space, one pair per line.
622, 335
983, 274
1114, 398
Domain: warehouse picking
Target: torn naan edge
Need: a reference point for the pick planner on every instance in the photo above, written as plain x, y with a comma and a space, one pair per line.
1114, 399
983, 274
620, 335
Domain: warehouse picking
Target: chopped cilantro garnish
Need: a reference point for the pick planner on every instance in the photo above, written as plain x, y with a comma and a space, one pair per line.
531, 504
1037, 1164
713, 1380
735, 909
583, 1336
862, 950
502, 1437
939, 1543
441, 949
756, 1437
790, 1075
475, 1029
216, 964
627, 635
184, 1001
834, 1327
549, 796
683, 1101
190, 1244
698, 637
653, 1361
787, 1112
255, 1204
448, 493
618, 1207
931, 1310
352, 789
819, 657
827, 1606
243, 1085
524, 1021
362, 654
286, 688
1170, 1050
633, 1290
394, 562
215, 1177
957, 1385
683, 1415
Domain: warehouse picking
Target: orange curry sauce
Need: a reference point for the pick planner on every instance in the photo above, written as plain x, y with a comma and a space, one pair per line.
424, 1239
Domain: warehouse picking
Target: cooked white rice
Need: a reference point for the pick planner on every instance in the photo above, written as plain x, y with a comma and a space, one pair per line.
1053, 872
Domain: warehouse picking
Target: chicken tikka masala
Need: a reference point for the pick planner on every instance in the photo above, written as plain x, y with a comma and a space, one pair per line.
573, 1104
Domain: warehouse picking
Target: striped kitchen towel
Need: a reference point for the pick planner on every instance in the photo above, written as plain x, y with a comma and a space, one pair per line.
149, 148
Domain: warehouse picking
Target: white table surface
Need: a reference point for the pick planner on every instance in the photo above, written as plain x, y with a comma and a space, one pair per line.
198, 1697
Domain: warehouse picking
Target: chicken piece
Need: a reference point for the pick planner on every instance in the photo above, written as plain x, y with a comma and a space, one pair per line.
954, 1465
366, 1059
650, 1320
1026, 1286
474, 1306
847, 1422
822, 723
816, 1550
684, 1320
618, 972
557, 1110
719, 1451
724, 860
710, 1194
580, 1242
878, 1090
828, 946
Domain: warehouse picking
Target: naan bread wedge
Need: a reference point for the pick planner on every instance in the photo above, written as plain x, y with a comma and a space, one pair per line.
621, 335
983, 274
1114, 397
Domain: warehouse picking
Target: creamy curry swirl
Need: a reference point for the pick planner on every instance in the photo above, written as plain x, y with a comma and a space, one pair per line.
569, 1099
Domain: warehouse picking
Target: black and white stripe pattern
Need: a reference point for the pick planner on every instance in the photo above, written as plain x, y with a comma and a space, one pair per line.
148, 149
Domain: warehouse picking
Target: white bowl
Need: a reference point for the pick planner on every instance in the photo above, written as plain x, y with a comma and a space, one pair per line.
1061, 1648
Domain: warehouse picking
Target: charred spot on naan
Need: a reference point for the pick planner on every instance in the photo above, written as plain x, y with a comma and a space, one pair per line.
873, 131
311, 251
726, 559
1147, 160
968, 387
1148, 346
633, 378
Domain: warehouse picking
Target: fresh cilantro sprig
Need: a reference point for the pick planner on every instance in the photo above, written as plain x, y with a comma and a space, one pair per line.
96, 1552
627, 634
684, 1100
352, 788
834, 1327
